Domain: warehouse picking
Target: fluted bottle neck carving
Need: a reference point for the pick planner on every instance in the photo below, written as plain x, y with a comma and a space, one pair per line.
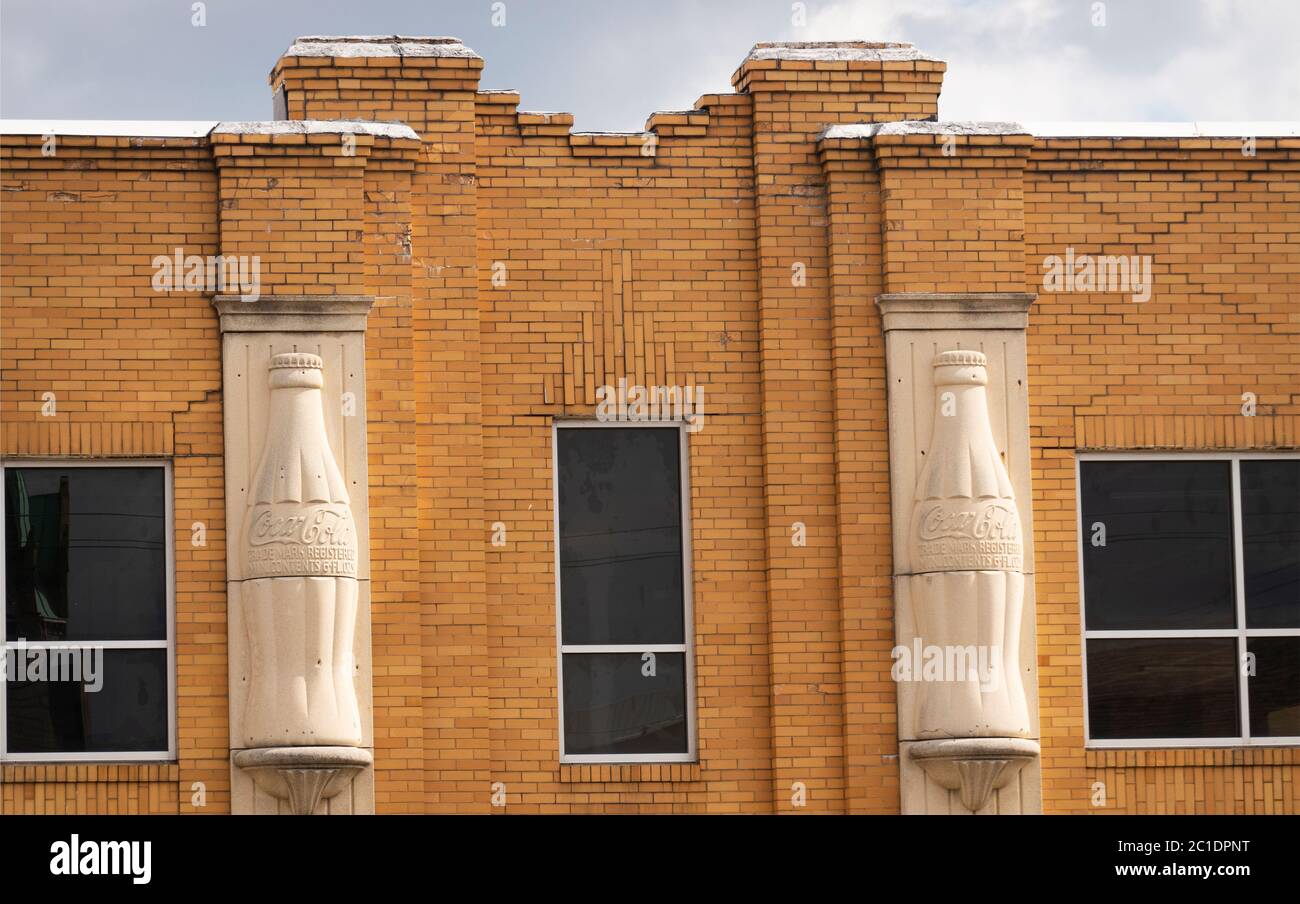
965, 516
300, 521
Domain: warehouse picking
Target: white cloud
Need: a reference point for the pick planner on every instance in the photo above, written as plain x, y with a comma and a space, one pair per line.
1045, 60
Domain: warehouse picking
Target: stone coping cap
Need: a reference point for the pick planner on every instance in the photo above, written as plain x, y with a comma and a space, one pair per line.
318, 127
115, 128
1278, 129
1244, 129
922, 127
378, 46
838, 51
184, 128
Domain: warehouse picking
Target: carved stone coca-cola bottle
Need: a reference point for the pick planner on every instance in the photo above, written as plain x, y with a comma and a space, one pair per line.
967, 582
299, 595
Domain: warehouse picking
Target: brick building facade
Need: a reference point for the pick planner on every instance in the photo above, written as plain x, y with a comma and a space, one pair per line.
503, 268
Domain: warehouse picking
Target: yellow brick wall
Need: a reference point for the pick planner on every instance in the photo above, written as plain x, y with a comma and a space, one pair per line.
295, 202
1109, 373
134, 373
620, 264
395, 609
809, 610
856, 249
954, 212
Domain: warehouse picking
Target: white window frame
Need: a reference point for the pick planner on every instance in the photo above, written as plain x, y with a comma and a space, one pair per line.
688, 612
1240, 632
132, 756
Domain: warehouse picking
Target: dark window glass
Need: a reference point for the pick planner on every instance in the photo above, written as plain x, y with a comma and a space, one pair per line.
620, 535
127, 713
1163, 688
1275, 687
85, 554
611, 706
1270, 522
1167, 562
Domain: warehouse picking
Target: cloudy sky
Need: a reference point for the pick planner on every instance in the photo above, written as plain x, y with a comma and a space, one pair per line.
612, 62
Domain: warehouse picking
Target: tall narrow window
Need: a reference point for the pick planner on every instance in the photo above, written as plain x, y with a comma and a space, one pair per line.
86, 613
1191, 591
626, 681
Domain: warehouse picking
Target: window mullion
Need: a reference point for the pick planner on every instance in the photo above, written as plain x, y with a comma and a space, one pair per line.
86, 644
1239, 591
623, 648
1162, 633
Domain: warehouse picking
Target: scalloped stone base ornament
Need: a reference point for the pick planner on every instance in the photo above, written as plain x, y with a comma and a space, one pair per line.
974, 767
303, 776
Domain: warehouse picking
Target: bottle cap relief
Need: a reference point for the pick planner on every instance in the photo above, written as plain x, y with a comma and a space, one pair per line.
296, 369
960, 358
960, 367
297, 360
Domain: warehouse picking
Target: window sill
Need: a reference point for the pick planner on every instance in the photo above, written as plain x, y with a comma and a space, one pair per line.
1150, 758
614, 773
76, 773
